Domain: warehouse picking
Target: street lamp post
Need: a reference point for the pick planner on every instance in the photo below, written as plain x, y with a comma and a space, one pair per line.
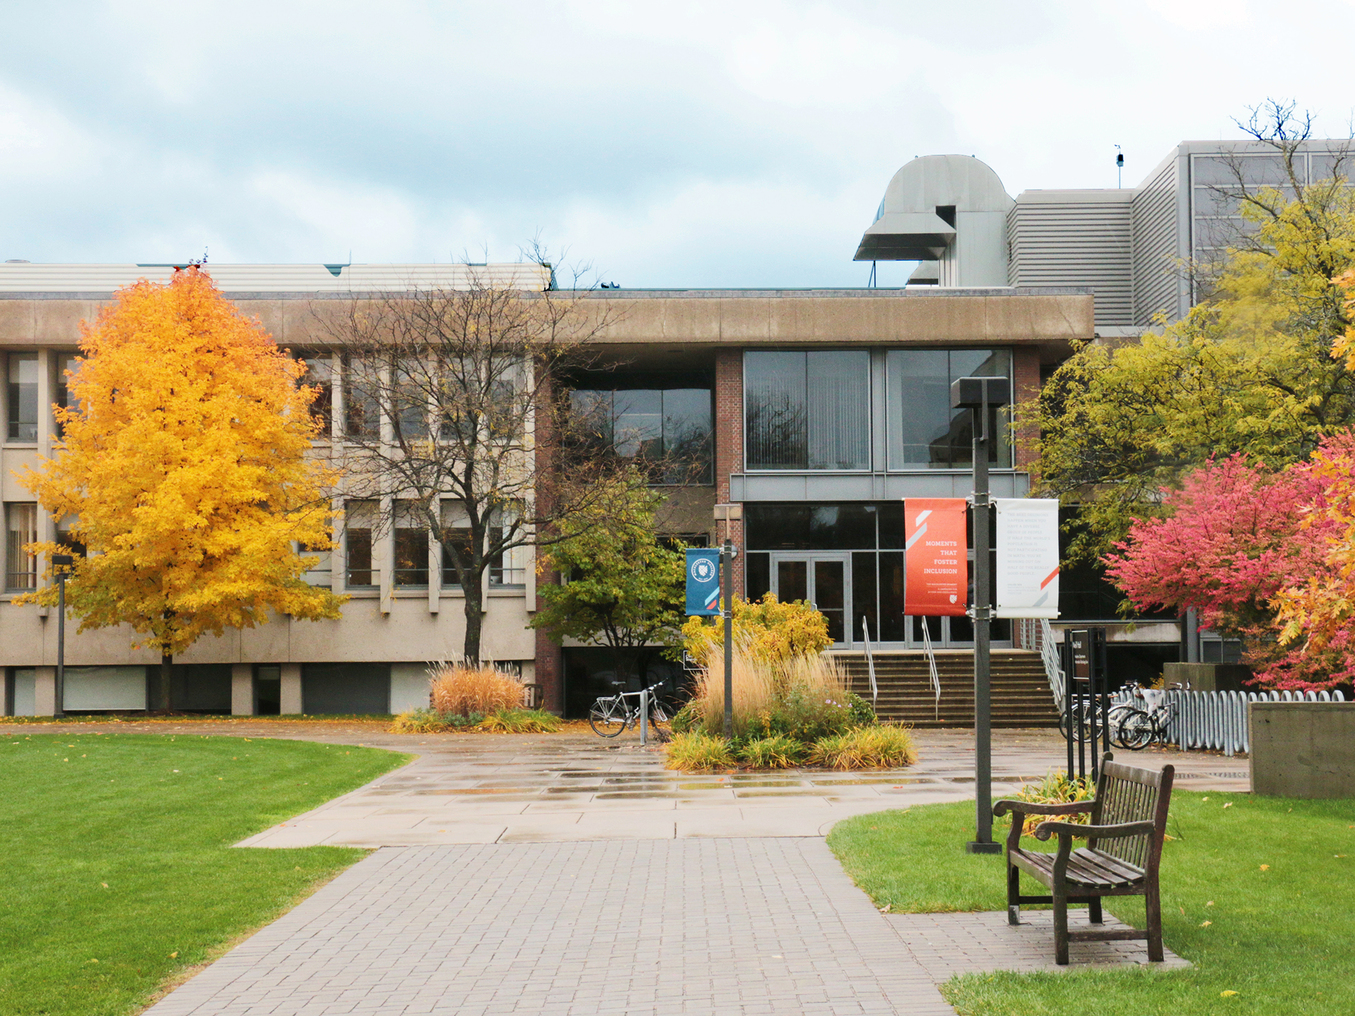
60, 564
979, 395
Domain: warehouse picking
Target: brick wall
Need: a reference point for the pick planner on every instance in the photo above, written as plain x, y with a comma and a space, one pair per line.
729, 444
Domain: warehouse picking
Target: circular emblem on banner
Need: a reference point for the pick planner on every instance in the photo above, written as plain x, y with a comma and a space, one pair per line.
703, 569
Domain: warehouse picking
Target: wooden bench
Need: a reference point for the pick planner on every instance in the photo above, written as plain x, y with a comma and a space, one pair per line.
1124, 848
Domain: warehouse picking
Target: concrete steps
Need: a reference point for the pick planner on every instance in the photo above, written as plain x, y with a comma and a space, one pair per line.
1020, 689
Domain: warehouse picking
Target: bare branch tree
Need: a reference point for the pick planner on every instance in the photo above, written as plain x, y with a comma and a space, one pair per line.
454, 409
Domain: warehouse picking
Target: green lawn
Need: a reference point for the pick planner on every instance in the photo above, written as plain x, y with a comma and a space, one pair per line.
116, 870
1258, 893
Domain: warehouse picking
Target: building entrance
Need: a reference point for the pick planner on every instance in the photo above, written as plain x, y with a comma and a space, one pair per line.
824, 580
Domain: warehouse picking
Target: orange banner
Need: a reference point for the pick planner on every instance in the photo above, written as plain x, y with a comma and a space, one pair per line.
935, 557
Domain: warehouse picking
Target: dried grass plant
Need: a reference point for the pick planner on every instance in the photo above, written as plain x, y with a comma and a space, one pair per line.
763, 687
464, 690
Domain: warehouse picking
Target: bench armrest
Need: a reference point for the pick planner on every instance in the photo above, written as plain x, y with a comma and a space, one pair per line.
1098, 832
1031, 808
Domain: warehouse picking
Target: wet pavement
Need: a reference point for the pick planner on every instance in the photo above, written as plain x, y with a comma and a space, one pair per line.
561, 787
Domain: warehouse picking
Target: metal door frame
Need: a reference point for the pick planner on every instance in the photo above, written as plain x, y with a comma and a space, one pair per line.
809, 557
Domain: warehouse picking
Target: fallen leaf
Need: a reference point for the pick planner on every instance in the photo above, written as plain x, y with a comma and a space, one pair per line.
104, 884
1210, 903
174, 954
1205, 924
1229, 804
1227, 994
1265, 867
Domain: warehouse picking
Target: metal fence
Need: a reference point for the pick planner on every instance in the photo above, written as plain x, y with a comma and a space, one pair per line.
1217, 720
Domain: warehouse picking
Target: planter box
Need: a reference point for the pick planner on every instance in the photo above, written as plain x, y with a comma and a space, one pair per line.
1302, 749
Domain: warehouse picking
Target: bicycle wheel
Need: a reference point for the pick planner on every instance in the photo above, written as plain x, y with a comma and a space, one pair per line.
1115, 718
1136, 730
607, 717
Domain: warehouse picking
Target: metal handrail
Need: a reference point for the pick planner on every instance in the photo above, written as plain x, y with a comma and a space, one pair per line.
870, 662
1053, 669
931, 665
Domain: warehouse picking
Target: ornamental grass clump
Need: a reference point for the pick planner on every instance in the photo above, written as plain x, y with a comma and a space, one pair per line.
884, 746
430, 721
695, 752
461, 690
520, 721
776, 752
804, 697
1057, 787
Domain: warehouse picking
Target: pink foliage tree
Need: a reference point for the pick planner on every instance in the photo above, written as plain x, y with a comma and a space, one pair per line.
1236, 536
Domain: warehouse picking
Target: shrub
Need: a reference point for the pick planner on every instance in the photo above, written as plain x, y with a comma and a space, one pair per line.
465, 690
687, 718
521, 721
766, 630
1056, 788
775, 752
801, 696
876, 747
697, 752
429, 721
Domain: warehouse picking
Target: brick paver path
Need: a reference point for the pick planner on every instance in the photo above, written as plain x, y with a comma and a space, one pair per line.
649, 926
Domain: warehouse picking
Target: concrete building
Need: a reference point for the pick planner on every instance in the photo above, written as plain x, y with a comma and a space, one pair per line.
818, 410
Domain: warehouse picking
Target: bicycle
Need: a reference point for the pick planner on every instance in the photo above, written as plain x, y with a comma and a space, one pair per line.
1082, 709
611, 714
1138, 728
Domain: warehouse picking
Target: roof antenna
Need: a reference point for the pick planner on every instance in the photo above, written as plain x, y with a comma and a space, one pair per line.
1119, 167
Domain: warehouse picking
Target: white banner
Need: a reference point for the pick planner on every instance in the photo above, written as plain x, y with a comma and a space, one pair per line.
1027, 580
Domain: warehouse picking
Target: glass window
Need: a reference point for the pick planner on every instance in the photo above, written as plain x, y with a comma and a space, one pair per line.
23, 396
669, 431
320, 375
357, 537
924, 432
21, 529
507, 568
411, 402
67, 365
793, 424
411, 547
362, 418
455, 543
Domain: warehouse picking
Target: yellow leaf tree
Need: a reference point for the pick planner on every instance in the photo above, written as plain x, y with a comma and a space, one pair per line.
184, 466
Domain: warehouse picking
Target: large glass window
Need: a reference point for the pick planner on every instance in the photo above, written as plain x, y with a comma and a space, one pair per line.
669, 432
21, 529
924, 432
807, 410
362, 416
23, 396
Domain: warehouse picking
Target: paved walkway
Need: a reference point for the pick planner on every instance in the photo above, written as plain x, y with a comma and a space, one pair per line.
588, 904
478, 789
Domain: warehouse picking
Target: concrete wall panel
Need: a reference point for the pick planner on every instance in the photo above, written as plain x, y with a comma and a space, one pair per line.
1302, 749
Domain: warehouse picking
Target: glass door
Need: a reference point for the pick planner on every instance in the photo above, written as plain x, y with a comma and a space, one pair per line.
824, 580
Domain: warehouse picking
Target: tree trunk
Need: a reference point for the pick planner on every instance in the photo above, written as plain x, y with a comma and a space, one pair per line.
166, 676
475, 618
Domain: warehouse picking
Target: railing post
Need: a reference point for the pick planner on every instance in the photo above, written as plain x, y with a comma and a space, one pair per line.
644, 716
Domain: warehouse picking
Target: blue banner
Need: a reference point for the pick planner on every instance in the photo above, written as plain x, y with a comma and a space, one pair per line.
703, 582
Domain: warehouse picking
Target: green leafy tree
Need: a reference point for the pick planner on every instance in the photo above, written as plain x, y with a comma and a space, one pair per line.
1251, 369
621, 586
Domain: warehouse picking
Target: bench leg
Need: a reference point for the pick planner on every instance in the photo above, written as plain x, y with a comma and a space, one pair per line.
1013, 894
1060, 928
1152, 905
1094, 910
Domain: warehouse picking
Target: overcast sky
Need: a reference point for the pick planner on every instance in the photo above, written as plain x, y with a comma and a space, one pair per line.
668, 144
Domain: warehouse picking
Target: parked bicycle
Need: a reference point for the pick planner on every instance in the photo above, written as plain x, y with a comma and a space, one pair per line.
611, 714
1082, 708
1140, 727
